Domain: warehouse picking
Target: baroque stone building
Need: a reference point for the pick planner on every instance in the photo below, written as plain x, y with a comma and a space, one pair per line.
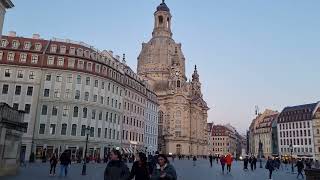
183, 112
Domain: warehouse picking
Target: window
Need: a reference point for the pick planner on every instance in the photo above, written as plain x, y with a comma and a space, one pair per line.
97, 68
53, 48
105, 133
23, 57
44, 110
95, 97
92, 132
64, 129
54, 110
72, 50
77, 95
29, 91
62, 49
60, 61
19, 74
93, 114
27, 46
48, 77
96, 83
101, 99
18, 90
100, 115
42, 128
73, 130
83, 130
78, 79
31, 75
15, 44
50, 60
80, 64
5, 89
4, 43
52, 129
89, 66
71, 63
65, 112
68, 93
59, 78
110, 133
7, 72
84, 112
15, 106
86, 96
57, 93
46, 92
102, 85
69, 78
75, 111
10, 56
87, 80
34, 59
99, 132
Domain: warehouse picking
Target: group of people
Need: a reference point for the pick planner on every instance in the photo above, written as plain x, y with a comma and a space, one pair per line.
226, 160
157, 168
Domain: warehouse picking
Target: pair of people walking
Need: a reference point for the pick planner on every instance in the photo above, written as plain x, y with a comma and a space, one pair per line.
65, 161
118, 170
226, 160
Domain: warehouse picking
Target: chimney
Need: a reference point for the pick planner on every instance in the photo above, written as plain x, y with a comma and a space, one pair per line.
36, 36
12, 33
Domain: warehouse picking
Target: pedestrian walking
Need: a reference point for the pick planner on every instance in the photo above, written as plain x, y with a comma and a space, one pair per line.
270, 167
254, 161
210, 160
140, 168
245, 163
116, 169
53, 164
22, 159
223, 163
164, 170
300, 167
229, 160
217, 159
64, 163
194, 159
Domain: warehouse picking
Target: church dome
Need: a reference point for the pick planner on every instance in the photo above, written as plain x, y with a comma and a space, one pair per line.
163, 7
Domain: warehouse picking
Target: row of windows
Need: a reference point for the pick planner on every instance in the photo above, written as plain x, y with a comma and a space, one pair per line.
108, 133
18, 89
151, 129
132, 136
150, 140
15, 45
112, 117
294, 125
132, 122
132, 107
8, 73
297, 150
294, 133
27, 107
23, 57
295, 141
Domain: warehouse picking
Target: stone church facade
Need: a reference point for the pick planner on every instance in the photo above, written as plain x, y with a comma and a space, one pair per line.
183, 111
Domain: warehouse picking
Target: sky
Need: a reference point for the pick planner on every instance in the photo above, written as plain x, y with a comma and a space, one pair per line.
248, 52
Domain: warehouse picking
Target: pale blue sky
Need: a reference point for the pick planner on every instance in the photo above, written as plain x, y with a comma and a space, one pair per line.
248, 52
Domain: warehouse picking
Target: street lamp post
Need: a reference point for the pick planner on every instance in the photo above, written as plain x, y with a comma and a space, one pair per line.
260, 152
84, 167
291, 151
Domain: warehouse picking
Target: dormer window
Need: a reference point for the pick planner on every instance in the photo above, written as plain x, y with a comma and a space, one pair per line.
53, 48
80, 64
71, 63
93, 56
97, 69
79, 52
10, 56
87, 54
89, 66
72, 50
38, 47
50, 60
60, 61
34, 59
63, 49
15, 44
4, 43
27, 46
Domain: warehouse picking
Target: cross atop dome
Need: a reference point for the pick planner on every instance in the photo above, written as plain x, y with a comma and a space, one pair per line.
163, 7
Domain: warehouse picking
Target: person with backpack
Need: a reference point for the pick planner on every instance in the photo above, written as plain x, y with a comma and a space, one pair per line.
270, 167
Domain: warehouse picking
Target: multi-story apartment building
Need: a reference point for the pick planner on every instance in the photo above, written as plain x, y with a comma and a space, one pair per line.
224, 140
66, 86
296, 129
151, 122
135, 99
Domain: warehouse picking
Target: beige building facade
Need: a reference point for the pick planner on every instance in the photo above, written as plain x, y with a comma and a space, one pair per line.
316, 133
183, 111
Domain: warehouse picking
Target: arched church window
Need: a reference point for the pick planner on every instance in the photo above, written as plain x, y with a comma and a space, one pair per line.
178, 84
160, 19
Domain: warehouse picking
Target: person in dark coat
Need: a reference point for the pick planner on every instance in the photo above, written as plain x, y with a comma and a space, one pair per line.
270, 167
164, 170
222, 162
116, 169
300, 167
64, 163
140, 168
210, 160
194, 159
254, 161
53, 164
245, 163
